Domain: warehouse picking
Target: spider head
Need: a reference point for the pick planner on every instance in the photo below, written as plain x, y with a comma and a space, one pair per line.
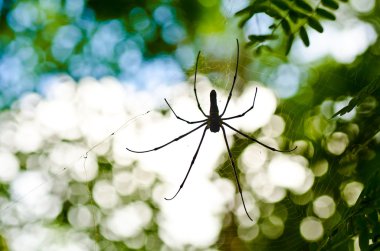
214, 106
214, 119
213, 97
213, 94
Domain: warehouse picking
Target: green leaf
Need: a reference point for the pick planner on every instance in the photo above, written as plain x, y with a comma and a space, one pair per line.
374, 246
261, 38
251, 10
281, 4
365, 92
285, 25
364, 239
330, 4
289, 44
272, 12
325, 14
293, 15
304, 5
304, 36
376, 232
263, 48
315, 24
243, 11
373, 217
250, 43
361, 224
244, 21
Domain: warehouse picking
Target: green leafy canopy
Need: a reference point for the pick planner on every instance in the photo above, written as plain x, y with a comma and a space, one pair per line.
290, 16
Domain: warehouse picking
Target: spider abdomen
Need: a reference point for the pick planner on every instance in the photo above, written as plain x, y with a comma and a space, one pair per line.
214, 120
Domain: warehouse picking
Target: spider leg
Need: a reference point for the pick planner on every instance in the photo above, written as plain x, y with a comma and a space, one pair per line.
255, 140
241, 115
234, 81
195, 81
176, 139
235, 172
191, 164
178, 117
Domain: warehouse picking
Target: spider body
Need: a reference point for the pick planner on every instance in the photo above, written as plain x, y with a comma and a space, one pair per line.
214, 121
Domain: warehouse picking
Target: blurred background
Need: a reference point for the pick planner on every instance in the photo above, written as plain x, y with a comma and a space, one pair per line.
82, 80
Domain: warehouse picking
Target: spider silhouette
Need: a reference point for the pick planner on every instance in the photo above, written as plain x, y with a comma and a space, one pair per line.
214, 121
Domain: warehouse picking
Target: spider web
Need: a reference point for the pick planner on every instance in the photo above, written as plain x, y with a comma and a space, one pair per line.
63, 174
279, 223
295, 209
237, 232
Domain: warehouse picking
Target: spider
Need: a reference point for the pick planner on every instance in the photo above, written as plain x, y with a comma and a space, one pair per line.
214, 121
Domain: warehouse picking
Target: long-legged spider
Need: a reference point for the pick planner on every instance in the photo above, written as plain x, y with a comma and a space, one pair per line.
214, 122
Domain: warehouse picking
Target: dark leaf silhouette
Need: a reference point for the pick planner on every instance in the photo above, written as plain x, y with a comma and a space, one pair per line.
261, 38
304, 36
294, 16
330, 4
290, 16
289, 44
281, 4
315, 24
304, 5
326, 14
365, 92
364, 239
286, 26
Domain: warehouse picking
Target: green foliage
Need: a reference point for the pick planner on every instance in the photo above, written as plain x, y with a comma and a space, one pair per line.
286, 26
330, 4
315, 24
359, 162
360, 97
3, 244
304, 36
261, 38
291, 17
361, 220
326, 14
281, 4
359, 80
289, 44
304, 6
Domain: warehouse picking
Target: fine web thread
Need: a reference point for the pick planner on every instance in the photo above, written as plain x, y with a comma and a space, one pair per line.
288, 206
85, 156
21, 197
